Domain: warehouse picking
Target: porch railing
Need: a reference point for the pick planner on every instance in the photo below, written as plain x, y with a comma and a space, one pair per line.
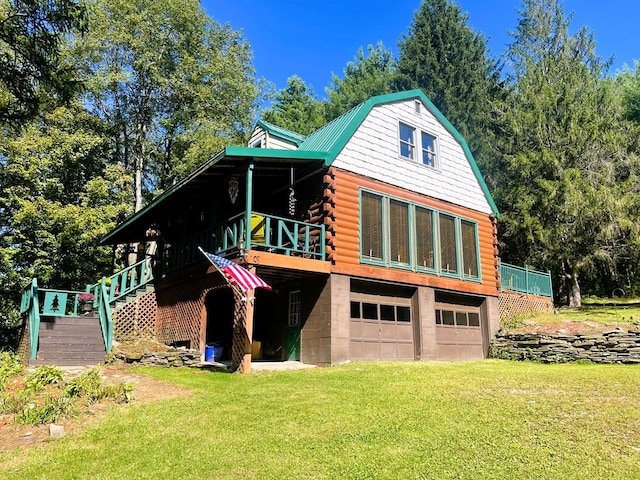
525, 280
268, 233
37, 302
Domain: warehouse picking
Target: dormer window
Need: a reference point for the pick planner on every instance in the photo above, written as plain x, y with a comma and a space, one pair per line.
409, 145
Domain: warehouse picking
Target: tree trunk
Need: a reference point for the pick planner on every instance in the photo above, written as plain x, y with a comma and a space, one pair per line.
573, 287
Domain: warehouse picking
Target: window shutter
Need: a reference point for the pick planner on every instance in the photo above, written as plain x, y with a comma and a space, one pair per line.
399, 226
371, 226
469, 249
448, 247
424, 238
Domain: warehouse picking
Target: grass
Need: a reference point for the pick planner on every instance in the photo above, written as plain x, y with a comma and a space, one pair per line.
597, 310
418, 420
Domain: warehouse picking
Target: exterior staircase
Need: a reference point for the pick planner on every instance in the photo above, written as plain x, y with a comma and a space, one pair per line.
58, 335
70, 341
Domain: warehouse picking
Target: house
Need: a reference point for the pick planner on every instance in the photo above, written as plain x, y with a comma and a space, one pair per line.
376, 233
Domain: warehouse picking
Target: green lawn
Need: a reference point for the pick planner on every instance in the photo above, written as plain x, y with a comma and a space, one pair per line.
486, 420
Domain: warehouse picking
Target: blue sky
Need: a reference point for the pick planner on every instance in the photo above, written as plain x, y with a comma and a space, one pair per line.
312, 39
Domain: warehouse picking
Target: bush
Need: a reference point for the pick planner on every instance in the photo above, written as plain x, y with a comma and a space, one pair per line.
9, 365
43, 376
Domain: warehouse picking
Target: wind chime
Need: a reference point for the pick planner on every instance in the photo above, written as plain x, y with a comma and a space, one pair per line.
292, 198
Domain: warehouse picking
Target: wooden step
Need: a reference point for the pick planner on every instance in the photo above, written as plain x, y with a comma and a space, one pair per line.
70, 341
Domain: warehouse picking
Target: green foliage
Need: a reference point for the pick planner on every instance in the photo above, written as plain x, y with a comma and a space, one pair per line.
295, 108
33, 403
10, 364
364, 77
174, 85
52, 410
91, 388
31, 35
58, 197
470, 420
449, 61
565, 182
43, 376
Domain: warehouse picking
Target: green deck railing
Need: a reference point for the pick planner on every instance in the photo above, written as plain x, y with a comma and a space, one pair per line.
268, 233
525, 280
37, 302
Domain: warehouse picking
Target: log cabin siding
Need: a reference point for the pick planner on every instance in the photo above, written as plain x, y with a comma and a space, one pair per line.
373, 151
344, 237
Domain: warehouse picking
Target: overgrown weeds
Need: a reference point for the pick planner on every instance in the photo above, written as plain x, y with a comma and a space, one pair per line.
43, 396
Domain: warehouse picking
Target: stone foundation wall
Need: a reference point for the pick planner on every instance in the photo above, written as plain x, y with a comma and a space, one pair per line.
616, 346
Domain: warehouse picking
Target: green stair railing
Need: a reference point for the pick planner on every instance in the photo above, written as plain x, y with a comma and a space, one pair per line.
29, 305
37, 302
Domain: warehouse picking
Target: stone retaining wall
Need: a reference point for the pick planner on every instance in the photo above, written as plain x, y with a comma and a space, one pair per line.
175, 358
615, 346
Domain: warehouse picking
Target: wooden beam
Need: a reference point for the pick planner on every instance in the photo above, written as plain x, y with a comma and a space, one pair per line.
267, 259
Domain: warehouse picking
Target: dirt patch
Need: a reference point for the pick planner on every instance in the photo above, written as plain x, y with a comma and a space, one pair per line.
146, 390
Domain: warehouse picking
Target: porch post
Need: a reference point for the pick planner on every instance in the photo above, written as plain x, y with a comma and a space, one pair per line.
248, 203
245, 365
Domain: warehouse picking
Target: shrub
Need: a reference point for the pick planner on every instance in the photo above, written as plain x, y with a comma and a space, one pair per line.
9, 365
43, 376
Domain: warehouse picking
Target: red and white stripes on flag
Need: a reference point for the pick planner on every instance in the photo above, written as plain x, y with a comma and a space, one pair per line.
236, 273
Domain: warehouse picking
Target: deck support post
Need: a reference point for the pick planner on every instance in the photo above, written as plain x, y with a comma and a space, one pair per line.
248, 204
245, 364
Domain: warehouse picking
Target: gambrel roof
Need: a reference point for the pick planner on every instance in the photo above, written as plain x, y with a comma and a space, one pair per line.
334, 136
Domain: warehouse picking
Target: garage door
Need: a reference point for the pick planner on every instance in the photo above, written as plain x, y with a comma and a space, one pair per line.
458, 332
381, 328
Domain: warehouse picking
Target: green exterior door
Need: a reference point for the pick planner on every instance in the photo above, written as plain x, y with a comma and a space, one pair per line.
294, 326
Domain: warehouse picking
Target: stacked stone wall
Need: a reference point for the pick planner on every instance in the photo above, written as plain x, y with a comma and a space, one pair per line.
615, 346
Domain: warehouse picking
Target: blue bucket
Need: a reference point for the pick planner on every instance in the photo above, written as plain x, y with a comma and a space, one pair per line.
208, 354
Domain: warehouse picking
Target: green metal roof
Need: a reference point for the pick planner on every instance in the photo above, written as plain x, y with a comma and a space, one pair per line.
333, 137
229, 153
280, 132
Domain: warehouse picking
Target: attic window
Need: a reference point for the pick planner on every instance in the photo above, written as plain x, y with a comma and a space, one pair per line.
425, 144
407, 141
417, 106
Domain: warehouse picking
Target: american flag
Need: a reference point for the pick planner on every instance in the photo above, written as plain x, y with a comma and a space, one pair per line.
238, 274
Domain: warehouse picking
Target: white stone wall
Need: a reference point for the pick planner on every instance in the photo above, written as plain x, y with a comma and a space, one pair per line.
374, 151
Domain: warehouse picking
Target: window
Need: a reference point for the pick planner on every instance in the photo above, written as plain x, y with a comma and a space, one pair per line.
469, 249
407, 141
448, 245
399, 232
371, 226
393, 311
424, 239
427, 146
428, 150
294, 308
457, 316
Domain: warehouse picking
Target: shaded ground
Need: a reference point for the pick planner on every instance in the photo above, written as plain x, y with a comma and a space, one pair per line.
146, 390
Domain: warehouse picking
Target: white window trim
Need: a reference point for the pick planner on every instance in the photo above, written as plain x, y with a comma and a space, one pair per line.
417, 149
